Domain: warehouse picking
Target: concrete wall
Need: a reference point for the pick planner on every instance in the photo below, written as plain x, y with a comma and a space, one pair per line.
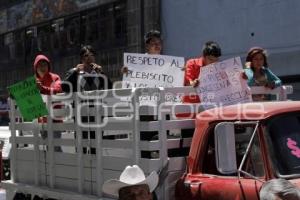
236, 26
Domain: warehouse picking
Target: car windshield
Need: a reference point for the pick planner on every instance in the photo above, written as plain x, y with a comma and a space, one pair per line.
284, 143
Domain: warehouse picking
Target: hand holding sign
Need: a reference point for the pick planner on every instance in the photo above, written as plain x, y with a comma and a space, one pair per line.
79, 67
194, 83
39, 84
124, 70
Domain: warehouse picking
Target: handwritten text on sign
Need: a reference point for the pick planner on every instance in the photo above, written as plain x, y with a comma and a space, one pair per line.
28, 99
145, 70
222, 83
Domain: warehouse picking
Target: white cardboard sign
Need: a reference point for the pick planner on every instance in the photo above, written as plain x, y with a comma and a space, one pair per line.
222, 83
145, 70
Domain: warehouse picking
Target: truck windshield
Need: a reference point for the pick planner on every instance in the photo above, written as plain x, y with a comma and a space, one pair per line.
284, 143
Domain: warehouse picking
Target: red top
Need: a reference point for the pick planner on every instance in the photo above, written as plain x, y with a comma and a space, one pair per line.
50, 83
192, 71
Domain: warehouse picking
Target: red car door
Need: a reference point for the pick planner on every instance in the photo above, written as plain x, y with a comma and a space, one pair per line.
206, 187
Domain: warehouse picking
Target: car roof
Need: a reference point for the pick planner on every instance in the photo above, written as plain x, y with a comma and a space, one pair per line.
249, 111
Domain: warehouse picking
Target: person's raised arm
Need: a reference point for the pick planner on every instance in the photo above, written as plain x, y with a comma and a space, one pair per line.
273, 80
190, 79
71, 78
54, 88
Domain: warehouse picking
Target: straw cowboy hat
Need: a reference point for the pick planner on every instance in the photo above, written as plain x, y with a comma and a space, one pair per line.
132, 175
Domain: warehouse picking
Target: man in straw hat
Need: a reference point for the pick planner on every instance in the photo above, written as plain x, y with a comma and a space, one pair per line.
132, 185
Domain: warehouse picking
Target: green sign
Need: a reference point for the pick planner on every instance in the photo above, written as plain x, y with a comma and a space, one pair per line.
28, 99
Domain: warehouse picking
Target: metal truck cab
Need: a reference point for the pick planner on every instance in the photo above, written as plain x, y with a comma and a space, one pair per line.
236, 148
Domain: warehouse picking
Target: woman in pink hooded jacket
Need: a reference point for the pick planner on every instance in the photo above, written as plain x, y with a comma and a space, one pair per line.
47, 82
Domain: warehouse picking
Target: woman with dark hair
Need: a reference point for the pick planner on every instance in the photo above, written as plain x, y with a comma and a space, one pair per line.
258, 73
87, 75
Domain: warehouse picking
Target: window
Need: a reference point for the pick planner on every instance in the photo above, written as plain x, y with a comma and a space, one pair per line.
92, 31
72, 26
57, 28
283, 135
4, 52
8, 42
120, 23
44, 37
31, 44
253, 164
19, 43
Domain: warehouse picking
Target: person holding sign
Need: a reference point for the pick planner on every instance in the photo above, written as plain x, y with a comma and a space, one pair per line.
153, 42
210, 53
153, 45
47, 82
258, 73
87, 75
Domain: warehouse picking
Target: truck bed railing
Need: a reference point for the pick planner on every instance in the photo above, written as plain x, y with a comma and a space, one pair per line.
280, 92
102, 133
94, 157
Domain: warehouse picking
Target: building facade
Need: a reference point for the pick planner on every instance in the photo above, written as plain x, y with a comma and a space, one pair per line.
237, 26
58, 29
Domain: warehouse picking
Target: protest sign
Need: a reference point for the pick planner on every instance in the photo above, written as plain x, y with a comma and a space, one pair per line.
28, 99
145, 70
152, 71
222, 84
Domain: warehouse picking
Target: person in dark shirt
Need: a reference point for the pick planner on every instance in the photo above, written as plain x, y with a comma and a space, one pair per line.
87, 75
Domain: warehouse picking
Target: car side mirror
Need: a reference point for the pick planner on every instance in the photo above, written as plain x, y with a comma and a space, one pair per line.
225, 148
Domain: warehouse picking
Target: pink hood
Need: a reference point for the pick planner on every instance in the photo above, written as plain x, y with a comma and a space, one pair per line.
38, 58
